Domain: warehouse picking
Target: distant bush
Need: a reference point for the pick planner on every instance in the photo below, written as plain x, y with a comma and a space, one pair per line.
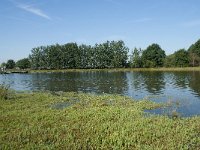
23, 63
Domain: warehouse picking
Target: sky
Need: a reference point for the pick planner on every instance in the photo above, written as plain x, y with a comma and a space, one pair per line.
25, 24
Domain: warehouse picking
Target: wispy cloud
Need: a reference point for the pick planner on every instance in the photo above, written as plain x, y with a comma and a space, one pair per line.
193, 23
33, 10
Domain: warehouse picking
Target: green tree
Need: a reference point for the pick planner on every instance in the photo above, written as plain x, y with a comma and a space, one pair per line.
71, 55
195, 48
36, 58
10, 64
23, 63
55, 57
104, 53
194, 54
194, 59
153, 56
92, 58
110, 55
120, 55
3, 64
135, 61
85, 56
181, 58
170, 61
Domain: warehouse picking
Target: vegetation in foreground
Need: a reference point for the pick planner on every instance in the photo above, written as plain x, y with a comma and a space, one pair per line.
84, 121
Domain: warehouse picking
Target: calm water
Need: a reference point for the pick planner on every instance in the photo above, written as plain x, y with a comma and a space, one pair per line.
179, 87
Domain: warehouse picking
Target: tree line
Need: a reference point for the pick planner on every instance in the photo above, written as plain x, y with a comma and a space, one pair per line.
110, 54
69, 56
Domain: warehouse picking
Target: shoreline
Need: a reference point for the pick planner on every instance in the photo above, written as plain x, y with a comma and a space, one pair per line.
24, 71
119, 70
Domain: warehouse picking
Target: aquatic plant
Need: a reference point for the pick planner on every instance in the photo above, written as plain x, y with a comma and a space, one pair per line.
91, 122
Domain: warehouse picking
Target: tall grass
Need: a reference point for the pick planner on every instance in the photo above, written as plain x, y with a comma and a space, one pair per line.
4, 92
92, 122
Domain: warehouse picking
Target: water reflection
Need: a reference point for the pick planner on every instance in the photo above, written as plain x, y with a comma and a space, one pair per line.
154, 82
194, 82
98, 82
181, 79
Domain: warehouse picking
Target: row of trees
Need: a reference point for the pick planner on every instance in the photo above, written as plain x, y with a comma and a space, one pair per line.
111, 54
185, 58
154, 56
22, 64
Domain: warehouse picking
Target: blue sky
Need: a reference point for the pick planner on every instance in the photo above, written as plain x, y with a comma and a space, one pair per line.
25, 24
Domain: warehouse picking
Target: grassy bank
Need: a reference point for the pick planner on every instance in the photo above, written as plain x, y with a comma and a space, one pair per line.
120, 69
84, 121
110, 70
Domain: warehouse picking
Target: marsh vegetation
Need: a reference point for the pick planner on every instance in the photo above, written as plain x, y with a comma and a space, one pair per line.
91, 122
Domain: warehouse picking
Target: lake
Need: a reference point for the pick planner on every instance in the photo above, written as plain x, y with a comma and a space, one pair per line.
179, 88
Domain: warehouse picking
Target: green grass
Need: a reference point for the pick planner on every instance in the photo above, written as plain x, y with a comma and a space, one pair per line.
120, 69
31, 121
111, 69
